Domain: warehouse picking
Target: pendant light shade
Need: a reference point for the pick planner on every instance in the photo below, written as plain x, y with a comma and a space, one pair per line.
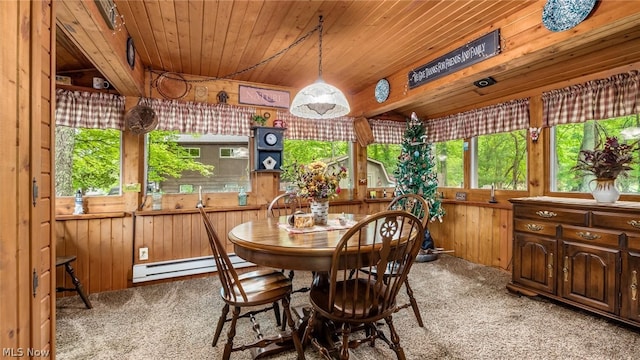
320, 100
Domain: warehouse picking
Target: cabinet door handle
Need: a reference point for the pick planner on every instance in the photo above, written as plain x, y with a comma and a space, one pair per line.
634, 223
565, 269
587, 235
550, 265
634, 285
534, 227
546, 213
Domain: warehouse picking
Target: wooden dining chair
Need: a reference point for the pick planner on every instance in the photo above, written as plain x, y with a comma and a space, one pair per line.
284, 204
418, 206
386, 241
253, 289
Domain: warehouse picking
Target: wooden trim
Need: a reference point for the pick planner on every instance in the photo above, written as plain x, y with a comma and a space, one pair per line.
93, 216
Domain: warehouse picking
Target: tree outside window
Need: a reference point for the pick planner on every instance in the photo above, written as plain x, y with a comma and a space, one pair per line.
450, 163
501, 161
87, 159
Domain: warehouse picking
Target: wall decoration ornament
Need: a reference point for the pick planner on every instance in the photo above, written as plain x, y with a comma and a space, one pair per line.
250, 95
534, 133
561, 15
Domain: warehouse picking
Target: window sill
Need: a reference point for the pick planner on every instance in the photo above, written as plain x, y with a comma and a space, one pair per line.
93, 216
195, 210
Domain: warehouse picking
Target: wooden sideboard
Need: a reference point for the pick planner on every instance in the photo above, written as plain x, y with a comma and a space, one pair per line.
580, 253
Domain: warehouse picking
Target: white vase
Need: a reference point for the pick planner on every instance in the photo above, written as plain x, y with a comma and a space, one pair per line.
320, 211
605, 191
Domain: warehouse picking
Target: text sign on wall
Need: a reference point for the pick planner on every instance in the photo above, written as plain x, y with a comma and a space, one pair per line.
473, 52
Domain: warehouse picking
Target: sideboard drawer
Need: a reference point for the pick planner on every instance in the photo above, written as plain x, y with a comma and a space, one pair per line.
591, 236
566, 216
626, 222
536, 227
633, 242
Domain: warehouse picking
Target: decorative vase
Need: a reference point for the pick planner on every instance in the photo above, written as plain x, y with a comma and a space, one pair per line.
605, 191
320, 211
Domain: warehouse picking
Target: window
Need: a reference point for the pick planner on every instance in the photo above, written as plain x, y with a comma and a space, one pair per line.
87, 159
193, 153
174, 165
331, 152
382, 162
500, 160
234, 153
568, 139
449, 157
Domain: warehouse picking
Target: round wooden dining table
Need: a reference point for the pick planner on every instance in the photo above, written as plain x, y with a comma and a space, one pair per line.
268, 242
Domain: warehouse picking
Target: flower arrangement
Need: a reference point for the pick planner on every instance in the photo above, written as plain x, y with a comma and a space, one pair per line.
316, 180
609, 162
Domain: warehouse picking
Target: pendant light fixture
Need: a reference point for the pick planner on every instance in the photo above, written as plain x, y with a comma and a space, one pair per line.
320, 100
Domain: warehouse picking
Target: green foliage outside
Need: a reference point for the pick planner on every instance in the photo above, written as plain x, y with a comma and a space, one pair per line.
450, 163
169, 159
502, 160
387, 154
306, 151
96, 160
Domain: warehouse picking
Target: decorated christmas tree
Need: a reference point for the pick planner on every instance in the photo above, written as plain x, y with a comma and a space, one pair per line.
416, 172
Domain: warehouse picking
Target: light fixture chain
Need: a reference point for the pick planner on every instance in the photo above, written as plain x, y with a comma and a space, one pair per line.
232, 75
320, 28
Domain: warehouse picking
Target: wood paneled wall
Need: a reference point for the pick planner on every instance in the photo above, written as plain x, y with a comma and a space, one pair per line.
103, 246
27, 311
108, 247
480, 233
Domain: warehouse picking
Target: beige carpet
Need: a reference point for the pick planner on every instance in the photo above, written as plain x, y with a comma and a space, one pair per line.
468, 314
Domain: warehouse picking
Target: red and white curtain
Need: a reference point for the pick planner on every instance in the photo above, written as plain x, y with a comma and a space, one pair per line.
505, 117
338, 129
89, 110
201, 118
595, 100
388, 132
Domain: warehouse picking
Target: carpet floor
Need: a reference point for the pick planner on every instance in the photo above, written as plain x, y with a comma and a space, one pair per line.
468, 314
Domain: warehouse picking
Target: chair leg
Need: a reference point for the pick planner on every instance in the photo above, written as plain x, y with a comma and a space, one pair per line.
414, 303
276, 310
228, 347
308, 331
346, 332
294, 331
395, 339
77, 285
221, 321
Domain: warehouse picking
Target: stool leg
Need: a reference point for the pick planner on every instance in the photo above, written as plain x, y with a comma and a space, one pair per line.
78, 285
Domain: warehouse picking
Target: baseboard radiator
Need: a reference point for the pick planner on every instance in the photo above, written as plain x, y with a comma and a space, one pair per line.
182, 267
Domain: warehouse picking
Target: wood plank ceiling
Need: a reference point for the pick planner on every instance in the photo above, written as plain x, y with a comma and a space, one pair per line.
363, 41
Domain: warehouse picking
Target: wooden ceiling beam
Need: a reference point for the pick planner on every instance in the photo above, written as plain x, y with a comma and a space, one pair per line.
83, 24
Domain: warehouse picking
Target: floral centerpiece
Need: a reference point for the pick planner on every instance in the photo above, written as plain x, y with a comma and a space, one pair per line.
316, 182
606, 164
609, 162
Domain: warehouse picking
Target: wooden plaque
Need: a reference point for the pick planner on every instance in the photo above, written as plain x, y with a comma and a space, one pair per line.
364, 135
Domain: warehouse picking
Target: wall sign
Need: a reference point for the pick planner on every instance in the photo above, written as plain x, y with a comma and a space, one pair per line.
263, 97
472, 53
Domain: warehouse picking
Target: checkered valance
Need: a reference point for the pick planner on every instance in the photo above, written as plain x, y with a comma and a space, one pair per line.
83, 109
338, 129
599, 99
388, 132
505, 117
201, 118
